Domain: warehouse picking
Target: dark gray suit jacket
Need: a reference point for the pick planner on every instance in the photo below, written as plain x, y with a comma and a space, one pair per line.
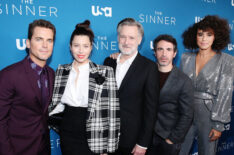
175, 112
138, 95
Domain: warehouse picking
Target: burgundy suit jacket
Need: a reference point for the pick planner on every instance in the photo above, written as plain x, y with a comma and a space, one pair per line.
23, 120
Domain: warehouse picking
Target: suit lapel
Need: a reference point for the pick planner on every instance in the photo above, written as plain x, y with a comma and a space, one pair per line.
59, 84
63, 76
32, 78
112, 63
169, 82
130, 71
209, 68
95, 89
51, 83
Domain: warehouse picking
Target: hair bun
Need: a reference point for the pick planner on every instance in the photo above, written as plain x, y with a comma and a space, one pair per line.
85, 24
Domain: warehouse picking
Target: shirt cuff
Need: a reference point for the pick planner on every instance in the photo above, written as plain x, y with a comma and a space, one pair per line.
218, 126
58, 109
142, 147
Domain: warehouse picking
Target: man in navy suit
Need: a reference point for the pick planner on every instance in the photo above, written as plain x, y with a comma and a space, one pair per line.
137, 81
175, 110
26, 90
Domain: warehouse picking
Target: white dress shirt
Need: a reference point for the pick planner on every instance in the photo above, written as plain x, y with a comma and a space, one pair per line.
77, 88
122, 68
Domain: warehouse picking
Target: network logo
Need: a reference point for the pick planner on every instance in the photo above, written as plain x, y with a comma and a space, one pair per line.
197, 19
151, 45
230, 47
21, 44
98, 11
232, 2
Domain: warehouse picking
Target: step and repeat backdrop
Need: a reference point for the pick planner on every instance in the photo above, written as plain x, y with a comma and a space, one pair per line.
156, 16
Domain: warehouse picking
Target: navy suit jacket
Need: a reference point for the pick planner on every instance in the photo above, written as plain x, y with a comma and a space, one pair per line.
138, 95
23, 120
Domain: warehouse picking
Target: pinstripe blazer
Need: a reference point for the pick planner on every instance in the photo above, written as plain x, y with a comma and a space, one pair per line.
103, 117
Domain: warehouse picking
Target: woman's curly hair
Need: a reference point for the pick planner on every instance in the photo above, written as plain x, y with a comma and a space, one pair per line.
218, 25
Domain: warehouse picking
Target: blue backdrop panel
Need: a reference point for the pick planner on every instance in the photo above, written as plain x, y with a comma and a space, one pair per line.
157, 17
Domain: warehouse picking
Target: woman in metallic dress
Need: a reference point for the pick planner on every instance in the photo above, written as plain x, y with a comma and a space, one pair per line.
212, 73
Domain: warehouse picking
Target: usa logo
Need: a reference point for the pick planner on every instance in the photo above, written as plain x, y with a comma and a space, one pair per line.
98, 11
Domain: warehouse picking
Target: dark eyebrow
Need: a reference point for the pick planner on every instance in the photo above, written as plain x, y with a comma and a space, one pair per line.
209, 32
38, 37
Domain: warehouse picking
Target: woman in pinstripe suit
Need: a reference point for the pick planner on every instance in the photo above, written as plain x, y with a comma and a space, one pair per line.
87, 95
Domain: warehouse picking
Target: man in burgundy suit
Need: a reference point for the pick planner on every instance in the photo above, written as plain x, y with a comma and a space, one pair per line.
26, 89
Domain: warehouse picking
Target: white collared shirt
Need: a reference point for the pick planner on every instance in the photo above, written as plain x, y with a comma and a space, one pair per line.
122, 68
76, 91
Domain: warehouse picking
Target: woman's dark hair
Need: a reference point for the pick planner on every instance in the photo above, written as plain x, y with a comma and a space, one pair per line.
218, 25
83, 29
